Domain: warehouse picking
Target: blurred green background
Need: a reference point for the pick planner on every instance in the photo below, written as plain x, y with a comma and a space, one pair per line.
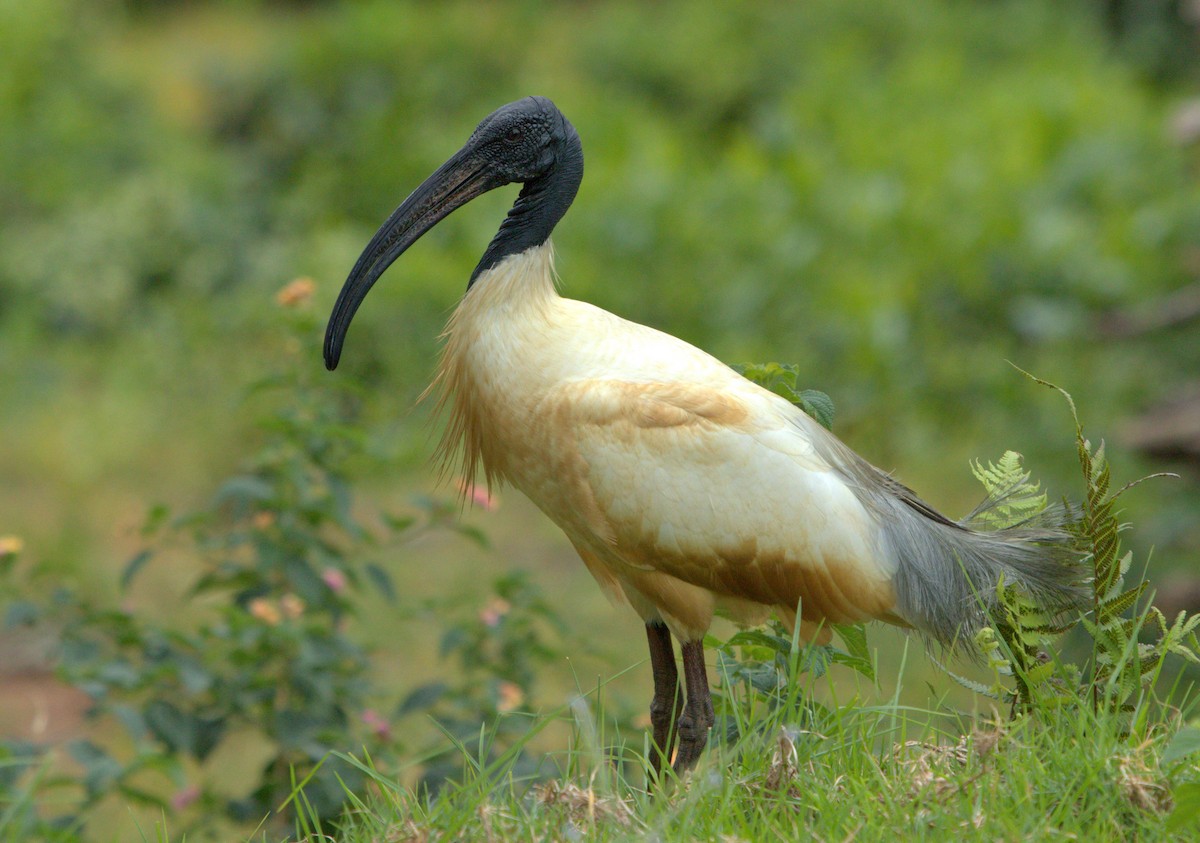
898, 197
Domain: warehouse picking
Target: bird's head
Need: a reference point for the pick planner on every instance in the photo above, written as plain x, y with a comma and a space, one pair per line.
520, 141
524, 141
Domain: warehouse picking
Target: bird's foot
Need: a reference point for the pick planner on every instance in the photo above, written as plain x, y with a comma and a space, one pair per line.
693, 730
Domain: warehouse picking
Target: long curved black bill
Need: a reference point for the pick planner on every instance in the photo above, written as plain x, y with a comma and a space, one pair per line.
455, 183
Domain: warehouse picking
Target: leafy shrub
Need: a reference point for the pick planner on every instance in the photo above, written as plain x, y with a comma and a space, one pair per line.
280, 550
766, 677
283, 555
1123, 666
492, 661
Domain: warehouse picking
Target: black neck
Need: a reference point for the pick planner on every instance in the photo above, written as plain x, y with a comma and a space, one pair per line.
540, 205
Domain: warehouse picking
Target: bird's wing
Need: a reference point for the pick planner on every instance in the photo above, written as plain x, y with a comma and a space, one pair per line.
722, 490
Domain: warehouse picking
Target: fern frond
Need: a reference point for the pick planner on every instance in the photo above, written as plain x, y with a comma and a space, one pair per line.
1001, 476
1016, 499
1112, 608
1003, 695
989, 645
1122, 667
1173, 637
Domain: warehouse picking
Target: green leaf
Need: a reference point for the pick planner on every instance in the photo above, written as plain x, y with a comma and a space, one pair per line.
473, 533
131, 719
398, 523
818, 405
1185, 742
180, 731
422, 698
209, 731
858, 654
781, 379
196, 678
303, 580
132, 567
138, 796
170, 725
119, 673
761, 638
453, 639
995, 692
1187, 806
382, 580
155, 519
100, 769
21, 613
227, 577
243, 489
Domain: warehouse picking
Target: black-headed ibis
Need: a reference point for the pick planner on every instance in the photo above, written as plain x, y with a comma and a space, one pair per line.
686, 489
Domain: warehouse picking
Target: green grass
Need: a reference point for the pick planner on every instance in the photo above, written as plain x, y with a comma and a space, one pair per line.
865, 771
841, 758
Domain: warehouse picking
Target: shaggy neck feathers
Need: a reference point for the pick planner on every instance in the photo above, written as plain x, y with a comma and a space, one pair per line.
520, 286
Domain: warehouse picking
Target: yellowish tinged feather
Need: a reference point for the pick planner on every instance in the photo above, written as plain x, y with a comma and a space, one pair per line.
622, 435
506, 287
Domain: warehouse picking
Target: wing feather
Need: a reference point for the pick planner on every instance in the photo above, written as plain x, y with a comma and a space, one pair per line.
720, 490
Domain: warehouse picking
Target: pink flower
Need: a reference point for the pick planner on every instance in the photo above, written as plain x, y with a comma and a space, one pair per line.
478, 496
494, 612
335, 579
186, 797
379, 726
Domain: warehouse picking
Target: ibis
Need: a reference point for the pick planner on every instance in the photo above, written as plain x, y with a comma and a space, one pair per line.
687, 490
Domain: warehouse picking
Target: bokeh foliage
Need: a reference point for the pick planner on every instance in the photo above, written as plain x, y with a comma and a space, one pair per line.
898, 196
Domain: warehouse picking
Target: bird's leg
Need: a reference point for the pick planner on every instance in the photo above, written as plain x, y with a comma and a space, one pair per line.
668, 696
698, 715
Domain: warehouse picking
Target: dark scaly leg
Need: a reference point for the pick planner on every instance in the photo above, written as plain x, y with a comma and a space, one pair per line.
698, 715
668, 696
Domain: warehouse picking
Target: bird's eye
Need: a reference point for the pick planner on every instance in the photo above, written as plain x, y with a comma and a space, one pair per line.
513, 135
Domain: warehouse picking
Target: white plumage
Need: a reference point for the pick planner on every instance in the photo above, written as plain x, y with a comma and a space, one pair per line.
684, 486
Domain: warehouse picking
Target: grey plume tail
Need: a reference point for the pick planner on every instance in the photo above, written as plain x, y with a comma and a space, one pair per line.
948, 571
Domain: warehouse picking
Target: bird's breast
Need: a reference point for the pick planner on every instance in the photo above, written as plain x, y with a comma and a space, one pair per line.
509, 344
523, 369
